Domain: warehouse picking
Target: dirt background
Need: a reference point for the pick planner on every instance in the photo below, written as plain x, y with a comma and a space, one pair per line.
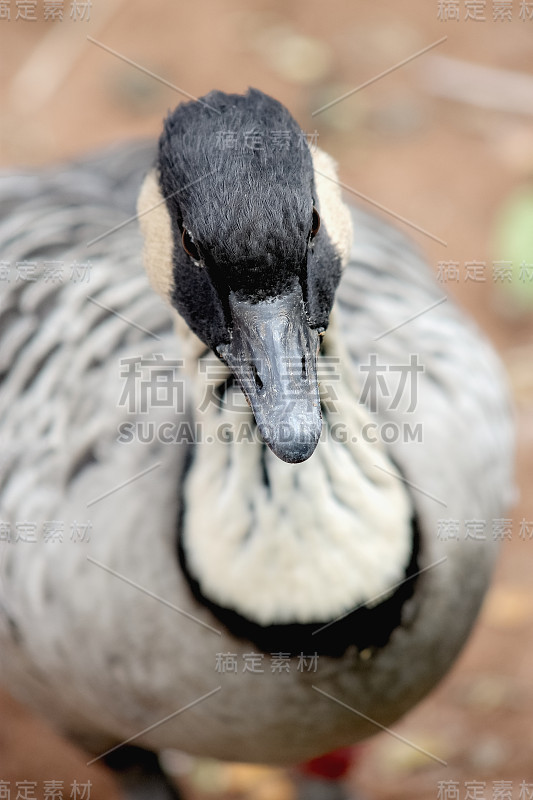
445, 164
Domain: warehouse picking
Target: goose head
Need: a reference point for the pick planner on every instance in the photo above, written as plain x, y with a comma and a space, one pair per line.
245, 236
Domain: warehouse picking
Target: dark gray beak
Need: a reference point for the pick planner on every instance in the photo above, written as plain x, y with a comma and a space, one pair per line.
273, 354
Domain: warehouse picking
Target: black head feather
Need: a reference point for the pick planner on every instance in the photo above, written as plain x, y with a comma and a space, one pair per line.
237, 176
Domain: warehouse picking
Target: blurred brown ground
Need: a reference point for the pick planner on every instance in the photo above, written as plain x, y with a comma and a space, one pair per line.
445, 165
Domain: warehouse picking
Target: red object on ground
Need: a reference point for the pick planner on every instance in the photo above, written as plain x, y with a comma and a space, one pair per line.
333, 765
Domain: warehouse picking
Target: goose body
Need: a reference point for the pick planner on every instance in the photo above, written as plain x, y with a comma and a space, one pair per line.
179, 551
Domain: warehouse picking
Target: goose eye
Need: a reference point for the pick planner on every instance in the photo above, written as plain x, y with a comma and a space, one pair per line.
315, 224
189, 245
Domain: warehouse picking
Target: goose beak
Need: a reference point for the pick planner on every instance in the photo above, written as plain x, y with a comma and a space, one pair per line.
273, 354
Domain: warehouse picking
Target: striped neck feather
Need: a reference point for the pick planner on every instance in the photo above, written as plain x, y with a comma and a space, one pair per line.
281, 543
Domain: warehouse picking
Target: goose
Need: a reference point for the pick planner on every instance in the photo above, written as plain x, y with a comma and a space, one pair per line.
269, 562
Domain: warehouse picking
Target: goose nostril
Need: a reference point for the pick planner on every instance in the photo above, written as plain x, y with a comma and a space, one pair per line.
257, 378
304, 368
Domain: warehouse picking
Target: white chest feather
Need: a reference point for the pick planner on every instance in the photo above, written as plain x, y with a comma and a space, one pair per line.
282, 543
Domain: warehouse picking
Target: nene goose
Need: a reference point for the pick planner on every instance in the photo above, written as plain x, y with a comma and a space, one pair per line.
149, 580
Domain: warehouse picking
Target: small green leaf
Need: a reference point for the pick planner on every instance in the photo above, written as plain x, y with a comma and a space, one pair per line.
513, 245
